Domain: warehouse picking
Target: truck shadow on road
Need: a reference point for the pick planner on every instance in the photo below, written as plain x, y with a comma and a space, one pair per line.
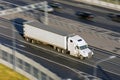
18, 24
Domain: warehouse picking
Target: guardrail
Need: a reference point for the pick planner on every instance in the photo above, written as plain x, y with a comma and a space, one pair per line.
25, 65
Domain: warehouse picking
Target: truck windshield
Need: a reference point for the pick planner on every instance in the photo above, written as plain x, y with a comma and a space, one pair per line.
83, 47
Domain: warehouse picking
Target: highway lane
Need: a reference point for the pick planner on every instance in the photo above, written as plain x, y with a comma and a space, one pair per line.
68, 11
108, 70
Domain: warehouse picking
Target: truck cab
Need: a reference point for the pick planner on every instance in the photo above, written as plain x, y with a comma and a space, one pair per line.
78, 47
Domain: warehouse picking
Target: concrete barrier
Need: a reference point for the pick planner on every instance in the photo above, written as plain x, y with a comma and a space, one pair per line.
24, 65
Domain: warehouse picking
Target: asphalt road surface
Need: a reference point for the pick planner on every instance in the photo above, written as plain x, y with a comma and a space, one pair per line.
107, 70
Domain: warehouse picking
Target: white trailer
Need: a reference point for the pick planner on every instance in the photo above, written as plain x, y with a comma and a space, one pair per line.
61, 41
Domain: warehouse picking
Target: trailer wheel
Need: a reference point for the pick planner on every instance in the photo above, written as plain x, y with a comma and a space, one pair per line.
63, 51
58, 50
27, 39
32, 41
81, 57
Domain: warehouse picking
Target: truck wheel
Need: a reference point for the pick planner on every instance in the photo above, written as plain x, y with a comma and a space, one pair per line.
58, 50
63, 51
33, 41
27, 39
81, 57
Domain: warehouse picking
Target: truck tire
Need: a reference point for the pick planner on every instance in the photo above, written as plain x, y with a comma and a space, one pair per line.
27, 39
81, 57
33, 41
63, 51
58, 50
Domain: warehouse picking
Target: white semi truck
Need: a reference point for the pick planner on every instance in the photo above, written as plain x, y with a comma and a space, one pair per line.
60, 40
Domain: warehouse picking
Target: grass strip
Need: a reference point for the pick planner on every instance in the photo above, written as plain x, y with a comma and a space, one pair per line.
8, 74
